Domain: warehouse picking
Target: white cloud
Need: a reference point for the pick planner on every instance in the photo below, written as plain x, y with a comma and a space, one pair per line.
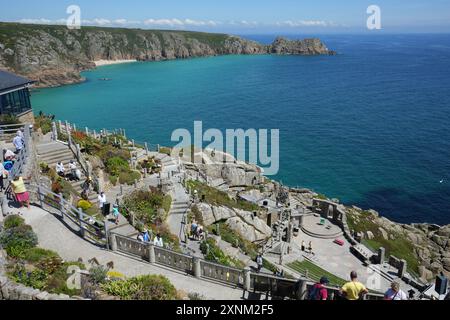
179, 23
304, 23
188, 23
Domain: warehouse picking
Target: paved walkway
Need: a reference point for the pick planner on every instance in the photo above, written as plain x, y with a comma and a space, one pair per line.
55, 236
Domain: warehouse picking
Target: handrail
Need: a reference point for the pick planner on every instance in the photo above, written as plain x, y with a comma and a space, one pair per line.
22, 157
89, 228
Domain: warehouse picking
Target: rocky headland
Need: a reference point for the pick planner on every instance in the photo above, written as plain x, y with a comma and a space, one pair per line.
55, 55
425, 247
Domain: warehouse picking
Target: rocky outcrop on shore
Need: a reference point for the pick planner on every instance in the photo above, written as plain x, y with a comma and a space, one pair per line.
299, 47
242, 222
55, 55
430, 243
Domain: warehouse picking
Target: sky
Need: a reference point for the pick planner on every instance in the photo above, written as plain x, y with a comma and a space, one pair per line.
239, 16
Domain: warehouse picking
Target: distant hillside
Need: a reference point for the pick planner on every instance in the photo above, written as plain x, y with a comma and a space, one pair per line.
55, 55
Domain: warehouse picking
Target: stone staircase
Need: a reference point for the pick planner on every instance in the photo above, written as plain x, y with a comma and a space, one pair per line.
169, 164
179, 207
53, 152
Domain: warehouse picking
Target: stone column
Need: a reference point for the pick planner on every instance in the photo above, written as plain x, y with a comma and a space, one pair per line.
151, 254
54, 132
80, 217
197, 268
247, 278
113, 242
402, 269
63, 207
302, 290
381, 255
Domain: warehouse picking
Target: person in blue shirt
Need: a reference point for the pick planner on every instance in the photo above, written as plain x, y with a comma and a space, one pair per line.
146, 236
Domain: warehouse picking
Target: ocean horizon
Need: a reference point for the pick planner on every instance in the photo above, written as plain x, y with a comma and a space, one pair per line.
368, 126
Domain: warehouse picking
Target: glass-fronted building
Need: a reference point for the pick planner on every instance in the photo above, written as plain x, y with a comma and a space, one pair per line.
14, 94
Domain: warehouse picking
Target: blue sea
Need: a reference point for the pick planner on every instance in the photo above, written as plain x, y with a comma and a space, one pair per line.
369, 126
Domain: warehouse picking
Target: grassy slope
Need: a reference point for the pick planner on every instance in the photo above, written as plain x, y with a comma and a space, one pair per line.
401, 247
315, 272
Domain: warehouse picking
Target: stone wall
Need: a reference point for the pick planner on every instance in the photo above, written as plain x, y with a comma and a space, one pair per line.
26, 117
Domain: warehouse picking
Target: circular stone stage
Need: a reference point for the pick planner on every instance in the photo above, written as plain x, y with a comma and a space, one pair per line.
312, 226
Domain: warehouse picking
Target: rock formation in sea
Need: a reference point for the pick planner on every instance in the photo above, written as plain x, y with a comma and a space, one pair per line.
55, 55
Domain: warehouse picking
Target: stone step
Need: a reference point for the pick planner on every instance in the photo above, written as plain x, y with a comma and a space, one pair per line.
65, 159
45, 149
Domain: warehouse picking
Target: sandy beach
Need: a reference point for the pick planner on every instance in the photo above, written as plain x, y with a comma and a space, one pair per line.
100, 63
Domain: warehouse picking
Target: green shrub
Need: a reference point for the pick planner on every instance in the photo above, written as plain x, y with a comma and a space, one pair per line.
113, 180
18, 240
36, 279
8, 119
129, 177
44, 122
213, 253
38, 254
150, 287
117, 165
13, 221
98, 274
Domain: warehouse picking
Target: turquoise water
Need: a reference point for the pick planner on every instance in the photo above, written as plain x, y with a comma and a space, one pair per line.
368, 126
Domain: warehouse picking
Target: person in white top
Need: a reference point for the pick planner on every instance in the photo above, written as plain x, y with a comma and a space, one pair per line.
18, 143
158, 242
60, 170
395, 293
3, 175
101, 200
73, 170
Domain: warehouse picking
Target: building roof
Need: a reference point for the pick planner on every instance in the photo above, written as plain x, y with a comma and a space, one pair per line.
9, 81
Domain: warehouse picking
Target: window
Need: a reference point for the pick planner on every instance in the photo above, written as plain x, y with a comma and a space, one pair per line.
15, 102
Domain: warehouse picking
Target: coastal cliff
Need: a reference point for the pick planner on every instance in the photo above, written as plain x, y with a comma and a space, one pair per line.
55, 55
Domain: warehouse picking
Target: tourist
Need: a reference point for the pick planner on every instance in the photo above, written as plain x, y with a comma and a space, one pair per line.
310, 248
279, 273
73, 170
194, 227
395, 293
259, 262
303, 246
18, 143
86, 188
146, 236
3, 175
158, 241
60, 170
9, 155
101, 203
116, 214
140, 237
200, 233
20, 192
318, 291
353, 290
